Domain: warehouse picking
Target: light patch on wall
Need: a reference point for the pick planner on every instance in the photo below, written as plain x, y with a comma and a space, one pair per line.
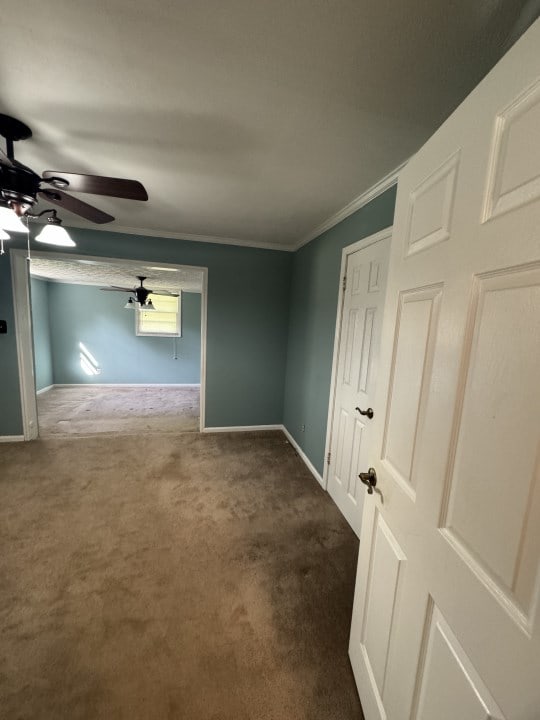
89, 364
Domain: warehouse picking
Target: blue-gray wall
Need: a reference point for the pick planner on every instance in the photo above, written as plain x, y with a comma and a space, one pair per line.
312, 323
82, 313
248, 291
10, 393
271, 324
42, 333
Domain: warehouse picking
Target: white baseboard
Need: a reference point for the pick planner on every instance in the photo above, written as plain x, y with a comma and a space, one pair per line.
241, 428
177, 385
304, 457
11, 438
45, 389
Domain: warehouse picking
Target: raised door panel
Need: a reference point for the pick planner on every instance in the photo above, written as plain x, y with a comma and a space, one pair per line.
374, 275
514, 176
353, 485
366, 352
493, 512
342, 448
410, 374
431, 208
350, 345
357, 279
448, 685
386, 566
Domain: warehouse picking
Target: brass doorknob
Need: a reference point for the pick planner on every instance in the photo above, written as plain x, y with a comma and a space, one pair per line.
369, 479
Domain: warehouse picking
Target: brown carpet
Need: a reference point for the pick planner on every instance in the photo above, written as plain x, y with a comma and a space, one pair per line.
91, 410
202, 577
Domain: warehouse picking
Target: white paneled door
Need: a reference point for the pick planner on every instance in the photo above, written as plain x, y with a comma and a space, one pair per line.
354, 405
446, 620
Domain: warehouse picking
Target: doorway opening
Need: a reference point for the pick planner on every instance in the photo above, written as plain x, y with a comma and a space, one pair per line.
93, 360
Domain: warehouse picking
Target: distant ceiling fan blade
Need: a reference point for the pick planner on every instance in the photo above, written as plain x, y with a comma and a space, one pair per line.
89, 212
97, 185
115, 288
164, 292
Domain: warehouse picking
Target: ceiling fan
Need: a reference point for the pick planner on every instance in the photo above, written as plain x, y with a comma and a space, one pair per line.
21, 187
140, 294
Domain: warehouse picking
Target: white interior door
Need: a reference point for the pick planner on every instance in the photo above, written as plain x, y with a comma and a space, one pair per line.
446, 620
354, 405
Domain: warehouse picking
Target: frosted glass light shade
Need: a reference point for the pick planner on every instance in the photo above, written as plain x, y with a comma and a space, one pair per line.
4, 235
55, 235
9, 221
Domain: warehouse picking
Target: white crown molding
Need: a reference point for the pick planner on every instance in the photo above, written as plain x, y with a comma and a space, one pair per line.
122, 230
370, 194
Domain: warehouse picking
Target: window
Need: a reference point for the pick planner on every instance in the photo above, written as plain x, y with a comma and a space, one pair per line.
164, 321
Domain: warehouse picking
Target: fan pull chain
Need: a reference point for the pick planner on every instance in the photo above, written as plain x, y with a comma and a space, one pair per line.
2, 251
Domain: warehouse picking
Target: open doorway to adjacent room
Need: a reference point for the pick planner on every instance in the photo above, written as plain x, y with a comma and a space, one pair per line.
104, 362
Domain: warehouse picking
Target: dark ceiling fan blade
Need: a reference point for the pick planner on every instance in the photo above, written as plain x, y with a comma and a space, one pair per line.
97, 185
89, 212
115, 288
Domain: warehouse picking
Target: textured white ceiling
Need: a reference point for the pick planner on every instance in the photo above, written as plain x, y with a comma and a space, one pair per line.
123, 273
247, 119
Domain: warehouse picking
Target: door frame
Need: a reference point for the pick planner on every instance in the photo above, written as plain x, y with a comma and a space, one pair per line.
22, 310
20, 270
348, 250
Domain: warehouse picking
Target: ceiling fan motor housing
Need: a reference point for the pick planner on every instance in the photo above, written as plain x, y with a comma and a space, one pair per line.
18, 184
142, 294
19, 187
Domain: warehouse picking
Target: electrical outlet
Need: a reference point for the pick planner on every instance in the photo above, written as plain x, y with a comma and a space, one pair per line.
303, 428
3, 327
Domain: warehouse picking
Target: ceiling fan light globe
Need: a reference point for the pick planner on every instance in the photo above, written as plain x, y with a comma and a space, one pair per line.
53, 234
10, 222
4, 235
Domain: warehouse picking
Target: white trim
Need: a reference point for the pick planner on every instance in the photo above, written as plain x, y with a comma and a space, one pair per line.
367, 196
11, 438
335, 357
141, 384
45, 389
241, 428
307, 462
374, 191
190, 237
348, 250
20, 285
204, 325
